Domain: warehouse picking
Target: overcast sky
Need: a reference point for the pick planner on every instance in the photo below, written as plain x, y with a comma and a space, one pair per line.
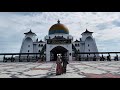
105, 25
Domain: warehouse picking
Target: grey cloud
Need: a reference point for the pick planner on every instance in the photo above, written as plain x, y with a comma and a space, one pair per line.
116, 23
23, 13
14, 24
102, 26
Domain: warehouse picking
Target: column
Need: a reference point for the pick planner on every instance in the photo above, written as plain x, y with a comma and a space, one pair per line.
48, 56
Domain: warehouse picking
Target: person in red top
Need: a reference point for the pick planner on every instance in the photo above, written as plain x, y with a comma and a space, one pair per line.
59, 68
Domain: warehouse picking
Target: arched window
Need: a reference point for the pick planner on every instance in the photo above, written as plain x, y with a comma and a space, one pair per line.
88, 45
28, 51
39, 51
28, 45
75, 44
39, 45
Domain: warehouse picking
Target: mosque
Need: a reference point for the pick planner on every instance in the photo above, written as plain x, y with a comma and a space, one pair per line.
58, 41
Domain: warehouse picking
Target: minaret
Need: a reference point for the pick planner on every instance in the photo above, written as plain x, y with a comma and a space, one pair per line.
88, 43
27, 43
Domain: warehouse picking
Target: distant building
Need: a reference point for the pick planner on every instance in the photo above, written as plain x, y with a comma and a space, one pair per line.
58, 41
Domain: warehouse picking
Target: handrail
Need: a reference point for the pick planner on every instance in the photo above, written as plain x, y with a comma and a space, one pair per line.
19, 53
97, 52
75, 53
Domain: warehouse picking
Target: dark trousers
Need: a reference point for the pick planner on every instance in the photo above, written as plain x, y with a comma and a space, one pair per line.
64, 68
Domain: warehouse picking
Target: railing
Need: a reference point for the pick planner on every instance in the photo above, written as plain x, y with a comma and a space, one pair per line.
22, 57
97, 56
81, 56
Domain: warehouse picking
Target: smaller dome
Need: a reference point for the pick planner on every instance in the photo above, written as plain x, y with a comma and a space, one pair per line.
58, 28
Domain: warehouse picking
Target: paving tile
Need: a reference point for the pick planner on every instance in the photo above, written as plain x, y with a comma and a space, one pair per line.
5, 76
72, 75
94, 71
75, 69
35, 72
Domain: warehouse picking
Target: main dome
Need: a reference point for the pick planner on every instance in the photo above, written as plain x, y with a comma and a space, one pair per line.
58, 28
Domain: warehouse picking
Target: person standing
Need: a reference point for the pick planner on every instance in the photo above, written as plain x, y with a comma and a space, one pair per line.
94, 58
102, 58
116, 58
59, 66
108, 57
65, 62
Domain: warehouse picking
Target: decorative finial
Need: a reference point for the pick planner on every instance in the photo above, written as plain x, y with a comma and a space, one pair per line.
58, 21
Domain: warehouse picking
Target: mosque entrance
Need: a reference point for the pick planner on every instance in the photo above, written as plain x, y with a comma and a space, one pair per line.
57, 50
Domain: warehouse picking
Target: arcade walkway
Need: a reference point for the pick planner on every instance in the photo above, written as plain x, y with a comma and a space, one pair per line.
91, 69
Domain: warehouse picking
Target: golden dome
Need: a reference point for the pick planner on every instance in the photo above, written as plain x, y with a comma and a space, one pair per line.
58, 28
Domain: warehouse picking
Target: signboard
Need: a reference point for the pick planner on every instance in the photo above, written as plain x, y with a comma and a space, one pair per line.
58, 41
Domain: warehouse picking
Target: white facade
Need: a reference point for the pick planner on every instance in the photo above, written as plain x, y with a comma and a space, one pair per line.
87, 43
56, 43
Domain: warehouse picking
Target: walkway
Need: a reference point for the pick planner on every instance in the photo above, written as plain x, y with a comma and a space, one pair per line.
91, 69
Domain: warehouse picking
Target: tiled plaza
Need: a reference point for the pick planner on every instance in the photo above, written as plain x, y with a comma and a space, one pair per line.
91, 69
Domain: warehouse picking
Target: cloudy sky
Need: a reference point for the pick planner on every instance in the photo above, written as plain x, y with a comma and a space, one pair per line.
105, 25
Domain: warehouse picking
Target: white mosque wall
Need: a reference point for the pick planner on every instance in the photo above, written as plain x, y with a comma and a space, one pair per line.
88, 44
27, 46
35, 48
84, 36
77, 45
82, 46
38, 46
33, 37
